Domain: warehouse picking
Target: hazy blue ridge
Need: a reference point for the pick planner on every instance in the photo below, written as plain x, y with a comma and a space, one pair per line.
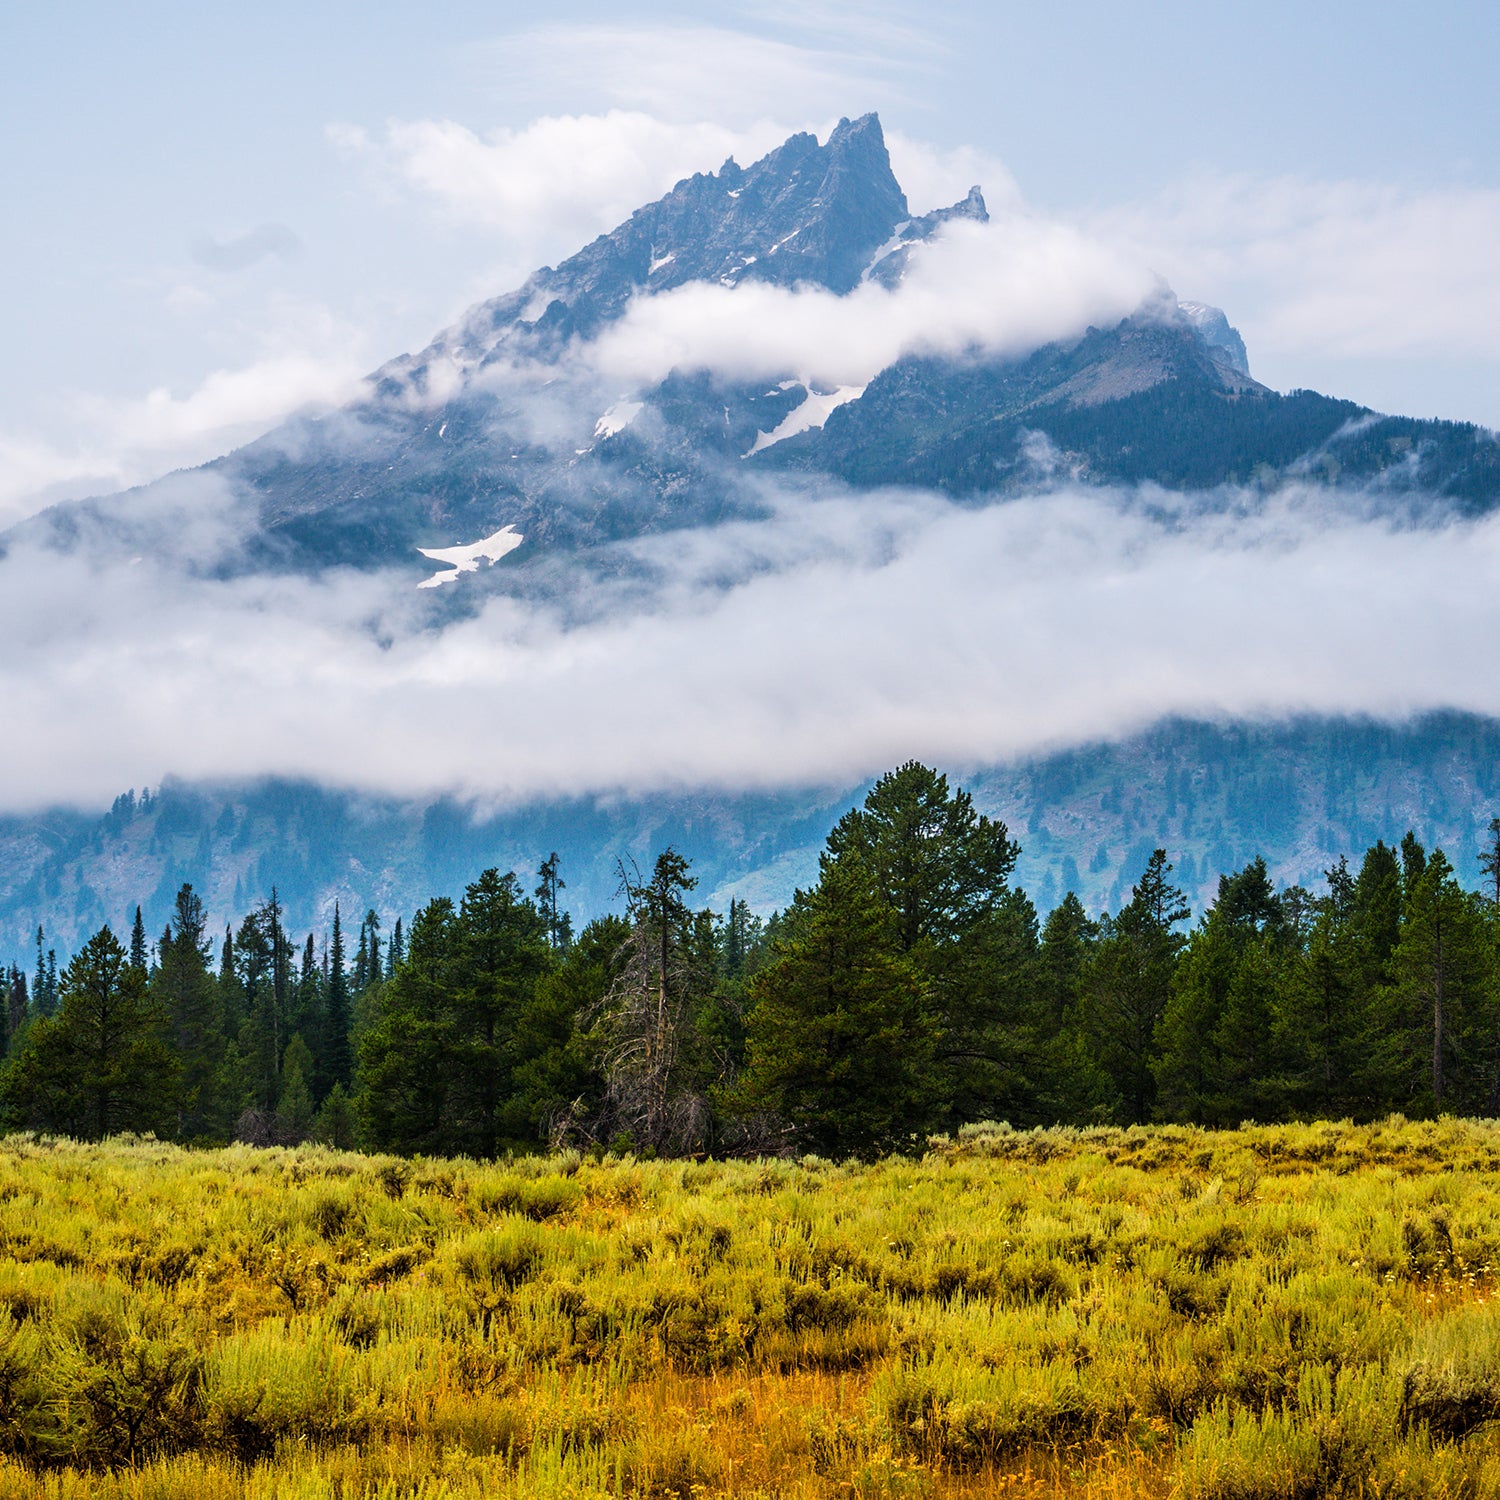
1214, 796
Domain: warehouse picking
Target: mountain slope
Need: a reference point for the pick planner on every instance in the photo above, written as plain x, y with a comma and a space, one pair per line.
499, 422
1087, 819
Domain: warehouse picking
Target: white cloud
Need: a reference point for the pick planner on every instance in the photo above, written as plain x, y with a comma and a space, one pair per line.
853, 632
550, 187
933, 177
686, 73
121, 441
1002, 288
1345, 270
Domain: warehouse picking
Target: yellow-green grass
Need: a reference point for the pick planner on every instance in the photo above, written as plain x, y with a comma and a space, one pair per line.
1270, 1312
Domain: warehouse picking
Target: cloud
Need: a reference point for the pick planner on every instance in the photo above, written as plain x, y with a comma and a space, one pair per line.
934, 177
245, 250
819, 646
549, 187
1001, 288
122, 441
685, 73
1311, 270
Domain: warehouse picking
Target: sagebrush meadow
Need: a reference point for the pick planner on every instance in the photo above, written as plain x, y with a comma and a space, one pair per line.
1273, 1311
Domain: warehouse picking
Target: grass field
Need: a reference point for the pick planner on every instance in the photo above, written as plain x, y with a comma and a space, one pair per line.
1269, 1312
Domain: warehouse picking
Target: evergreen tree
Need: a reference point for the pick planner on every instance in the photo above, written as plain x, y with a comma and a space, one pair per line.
294, 1107
548, 892
193, 1002
256, 966
1445, 993
138, 952
840, 1037
935, 862
1071, 1084
406, 1056
44, 991
1129, 983
17, 1003
336, 1055
560, 1081
101, 1064
336, 1124
1218, 1037
503, 952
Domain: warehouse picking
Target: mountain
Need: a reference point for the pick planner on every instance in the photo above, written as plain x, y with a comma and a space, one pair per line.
498, 423
502, 457
1214, 795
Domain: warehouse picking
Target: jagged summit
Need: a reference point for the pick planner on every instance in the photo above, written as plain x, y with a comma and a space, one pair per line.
804, 213
1221, 340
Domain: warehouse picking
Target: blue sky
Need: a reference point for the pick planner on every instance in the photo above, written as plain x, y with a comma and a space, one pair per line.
216, 214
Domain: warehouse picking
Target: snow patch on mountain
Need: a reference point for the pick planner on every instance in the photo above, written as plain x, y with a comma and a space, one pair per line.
467, 559
813, 412
618, 418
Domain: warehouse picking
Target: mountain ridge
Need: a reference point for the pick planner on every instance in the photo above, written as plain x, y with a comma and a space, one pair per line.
449, 445
1215, 796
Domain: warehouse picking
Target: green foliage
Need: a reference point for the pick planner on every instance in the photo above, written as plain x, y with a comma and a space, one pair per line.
841, 1038
102, 1064
913, 989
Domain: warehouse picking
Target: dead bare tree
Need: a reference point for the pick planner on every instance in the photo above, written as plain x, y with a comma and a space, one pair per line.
647, 1017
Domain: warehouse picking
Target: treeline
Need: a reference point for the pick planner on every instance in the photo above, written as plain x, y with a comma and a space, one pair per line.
911, 990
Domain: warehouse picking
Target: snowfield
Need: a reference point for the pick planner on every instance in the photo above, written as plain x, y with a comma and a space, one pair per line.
467, 559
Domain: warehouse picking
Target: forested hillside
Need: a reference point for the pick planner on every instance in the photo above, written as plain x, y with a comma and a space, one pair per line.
1298, 794
912, 988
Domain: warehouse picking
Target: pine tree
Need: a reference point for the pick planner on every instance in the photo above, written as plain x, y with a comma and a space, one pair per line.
367, 969
549, 887
44, 991
17, 1003
336, 1124
1445, 986
102, 1064
307, 1004
1130, 982
840, 1039
193, 1002
138, 952
406, 1057
294, 1107
336, 1054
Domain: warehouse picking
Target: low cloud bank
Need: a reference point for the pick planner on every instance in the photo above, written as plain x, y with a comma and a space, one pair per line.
820, 646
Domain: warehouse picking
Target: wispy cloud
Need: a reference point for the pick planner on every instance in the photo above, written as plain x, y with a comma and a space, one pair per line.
735, 74
559, 180
241, 251
308, 361
1001, 288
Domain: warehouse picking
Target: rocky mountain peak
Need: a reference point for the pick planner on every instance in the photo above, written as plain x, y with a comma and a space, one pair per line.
804, 213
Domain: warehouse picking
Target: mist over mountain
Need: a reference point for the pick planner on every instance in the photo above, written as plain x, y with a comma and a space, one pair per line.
788, 317
770, 487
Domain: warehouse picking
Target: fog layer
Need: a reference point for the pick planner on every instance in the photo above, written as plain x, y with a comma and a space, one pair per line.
843, 634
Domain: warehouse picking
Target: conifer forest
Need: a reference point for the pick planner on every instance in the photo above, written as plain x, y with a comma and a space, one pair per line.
912, 991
